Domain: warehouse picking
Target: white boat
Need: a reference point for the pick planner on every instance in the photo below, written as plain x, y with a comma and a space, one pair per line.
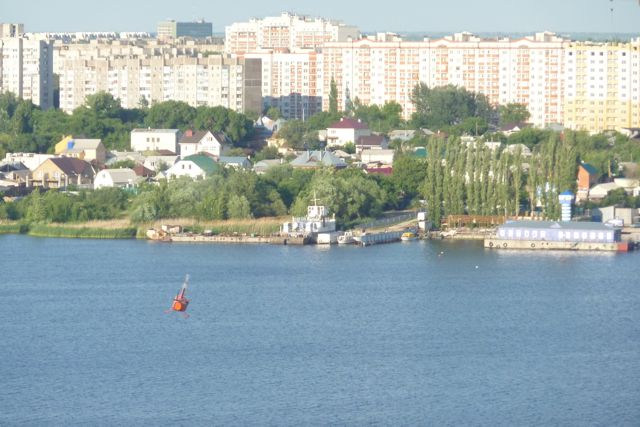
408, 236
346, 238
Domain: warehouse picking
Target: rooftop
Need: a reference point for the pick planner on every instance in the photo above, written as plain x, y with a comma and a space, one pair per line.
347, 123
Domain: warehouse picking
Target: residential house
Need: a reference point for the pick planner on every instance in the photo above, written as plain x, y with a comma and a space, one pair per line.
401, 135
379, 169
91, 150
631, 133
317, 159
600, 191
346, 130
195, 167
155, 139
236, 162
510, 129
143, 172
384, 157
13, 174
115, 156
205, 141
30, 160
371, 142
264, 165
513, 149
587, 176
120, 178
159, 163
59, 172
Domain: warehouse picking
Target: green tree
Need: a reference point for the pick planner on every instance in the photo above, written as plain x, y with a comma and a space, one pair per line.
446, 106
513, 113
171, 115
273, 113
333, 97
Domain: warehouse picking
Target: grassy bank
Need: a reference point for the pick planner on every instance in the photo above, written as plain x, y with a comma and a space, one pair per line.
13, 228
123, 229
46, 230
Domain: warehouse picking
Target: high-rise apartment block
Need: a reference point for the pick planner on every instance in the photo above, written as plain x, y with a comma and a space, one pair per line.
213, 80
26, 69
172, 29
291, 82
602, 85
286, 32
11, 30
385, 68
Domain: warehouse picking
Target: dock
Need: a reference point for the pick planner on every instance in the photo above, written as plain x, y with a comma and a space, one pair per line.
495, 243
368, 239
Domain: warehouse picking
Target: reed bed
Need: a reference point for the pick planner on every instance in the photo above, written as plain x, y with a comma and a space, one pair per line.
46, 230
13, 228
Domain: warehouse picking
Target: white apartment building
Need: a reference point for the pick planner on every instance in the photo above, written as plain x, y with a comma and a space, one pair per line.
26, 69
11, 30
385, 68
155, 140
214, 80
286, 32
291, 82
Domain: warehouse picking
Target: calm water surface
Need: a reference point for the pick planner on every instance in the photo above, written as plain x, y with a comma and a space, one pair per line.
418, 333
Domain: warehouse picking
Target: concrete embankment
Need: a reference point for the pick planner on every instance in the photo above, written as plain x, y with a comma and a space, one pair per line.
493, 243
198, 238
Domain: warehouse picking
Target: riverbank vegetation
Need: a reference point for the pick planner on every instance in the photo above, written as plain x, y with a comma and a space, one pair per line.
489, 174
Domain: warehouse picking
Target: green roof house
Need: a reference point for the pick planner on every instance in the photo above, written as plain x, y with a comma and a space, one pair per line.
195, 167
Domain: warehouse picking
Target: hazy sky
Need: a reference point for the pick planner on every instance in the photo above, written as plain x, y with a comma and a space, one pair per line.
391, 15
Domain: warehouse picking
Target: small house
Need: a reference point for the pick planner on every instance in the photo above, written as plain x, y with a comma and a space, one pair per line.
236, 162
119, 178
155, 140
91, 150
346, 130
208, 142
371, 142
317, 159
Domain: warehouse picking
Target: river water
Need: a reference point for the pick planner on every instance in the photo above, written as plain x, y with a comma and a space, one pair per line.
414, 333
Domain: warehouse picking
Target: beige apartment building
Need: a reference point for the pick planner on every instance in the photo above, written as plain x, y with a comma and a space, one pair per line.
386, 68
26, 69
213, 80
602, 85
287, 32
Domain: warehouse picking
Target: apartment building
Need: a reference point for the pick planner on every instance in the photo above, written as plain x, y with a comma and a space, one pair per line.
129, 47
386, 68
291, 82
287, 32
11, 30
26, 69
213, 80
602, 85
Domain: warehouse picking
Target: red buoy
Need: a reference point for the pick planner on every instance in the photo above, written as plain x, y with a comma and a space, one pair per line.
180, 301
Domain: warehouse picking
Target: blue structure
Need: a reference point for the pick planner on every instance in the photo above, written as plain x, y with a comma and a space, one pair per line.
566, 200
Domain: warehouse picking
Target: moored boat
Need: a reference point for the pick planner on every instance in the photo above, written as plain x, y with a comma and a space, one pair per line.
408, 236
346, 238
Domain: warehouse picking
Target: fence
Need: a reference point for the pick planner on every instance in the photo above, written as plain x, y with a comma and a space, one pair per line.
392, 219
